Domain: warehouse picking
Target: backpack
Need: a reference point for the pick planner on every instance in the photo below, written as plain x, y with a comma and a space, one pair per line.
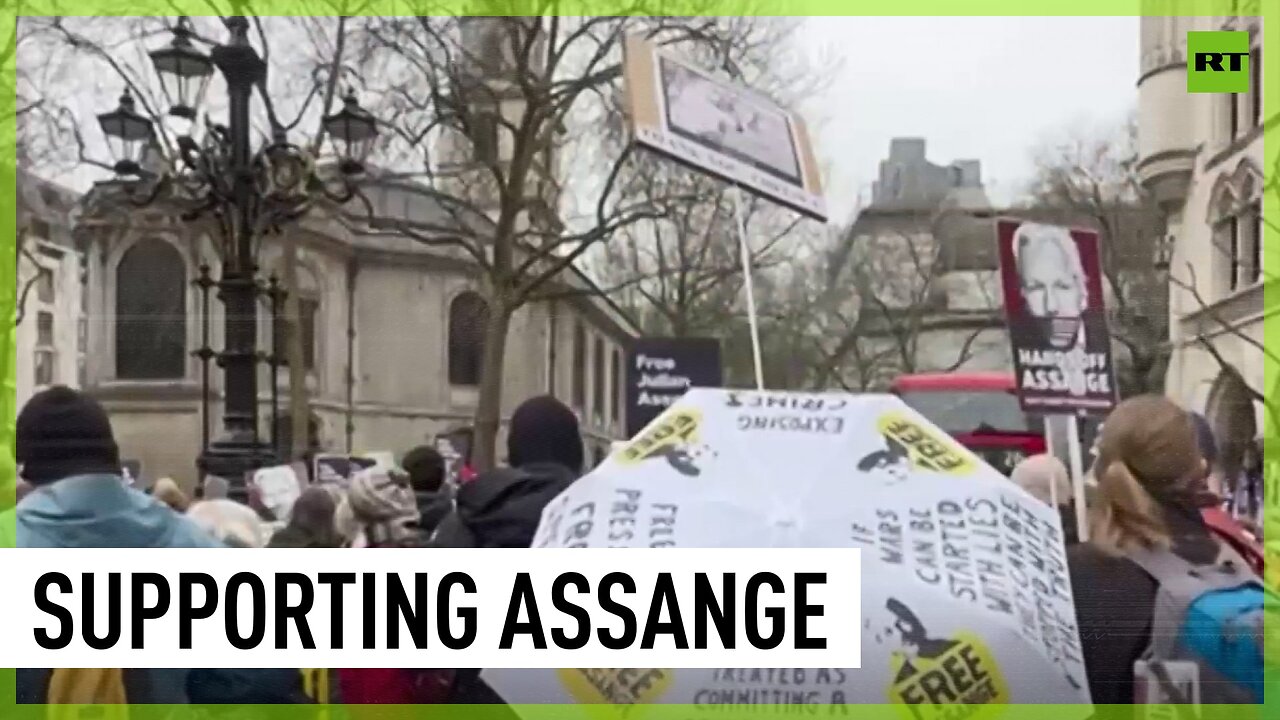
1206, 631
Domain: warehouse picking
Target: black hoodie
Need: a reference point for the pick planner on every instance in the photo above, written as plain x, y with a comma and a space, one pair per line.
1115, 601
501, 508
433, 508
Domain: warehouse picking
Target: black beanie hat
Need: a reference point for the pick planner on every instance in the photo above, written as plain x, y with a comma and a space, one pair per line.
62, 432
543, 430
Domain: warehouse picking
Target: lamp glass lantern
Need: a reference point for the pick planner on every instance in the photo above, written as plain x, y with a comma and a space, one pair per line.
352, 132
128, 134
184, 72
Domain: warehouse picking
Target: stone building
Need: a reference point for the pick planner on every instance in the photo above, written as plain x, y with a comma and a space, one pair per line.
925, 270
920, 261
1202, 158
391, 338
49, 340
392, 328
908, 179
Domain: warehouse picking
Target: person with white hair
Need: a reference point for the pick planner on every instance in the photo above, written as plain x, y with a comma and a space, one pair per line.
383, 505
1046, 479
1052, 279
229, 522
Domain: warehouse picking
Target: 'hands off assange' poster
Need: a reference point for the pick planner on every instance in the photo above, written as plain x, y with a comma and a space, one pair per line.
1053, 300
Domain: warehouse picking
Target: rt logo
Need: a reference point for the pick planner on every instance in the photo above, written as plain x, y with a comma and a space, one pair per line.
1219, 61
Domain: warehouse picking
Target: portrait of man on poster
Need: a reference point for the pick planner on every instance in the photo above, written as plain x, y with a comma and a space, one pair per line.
1054, 286
1056, 310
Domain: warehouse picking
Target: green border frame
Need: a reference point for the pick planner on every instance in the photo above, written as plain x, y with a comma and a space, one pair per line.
948, 8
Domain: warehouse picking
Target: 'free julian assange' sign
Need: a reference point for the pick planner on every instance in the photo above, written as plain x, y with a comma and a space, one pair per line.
661, 370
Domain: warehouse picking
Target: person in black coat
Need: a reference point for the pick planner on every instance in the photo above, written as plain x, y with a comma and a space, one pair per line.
1150, 473
502, 508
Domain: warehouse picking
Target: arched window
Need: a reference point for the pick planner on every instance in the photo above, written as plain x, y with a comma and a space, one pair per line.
1235, 214
468, 318
151, 312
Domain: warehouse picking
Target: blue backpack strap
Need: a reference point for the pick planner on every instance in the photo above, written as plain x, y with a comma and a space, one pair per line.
1182, 585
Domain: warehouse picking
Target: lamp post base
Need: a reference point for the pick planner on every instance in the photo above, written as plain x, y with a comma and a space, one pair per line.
233, 460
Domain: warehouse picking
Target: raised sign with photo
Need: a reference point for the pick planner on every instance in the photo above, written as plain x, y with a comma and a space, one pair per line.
691, 116
1053, 300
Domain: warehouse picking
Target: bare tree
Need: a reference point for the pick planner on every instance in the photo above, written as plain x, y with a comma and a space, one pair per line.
683, 273
884, 304
496, 111
495, 119
1090, 179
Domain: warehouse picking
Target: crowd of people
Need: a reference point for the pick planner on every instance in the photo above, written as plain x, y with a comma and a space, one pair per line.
1150, 501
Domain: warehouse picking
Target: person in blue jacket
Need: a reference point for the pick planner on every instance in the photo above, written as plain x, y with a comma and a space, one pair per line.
67, 452
79, 499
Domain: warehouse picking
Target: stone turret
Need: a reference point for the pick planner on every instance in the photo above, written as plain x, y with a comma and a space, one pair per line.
1166, 141
489, 77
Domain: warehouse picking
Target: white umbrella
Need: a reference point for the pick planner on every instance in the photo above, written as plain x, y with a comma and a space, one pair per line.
966, 597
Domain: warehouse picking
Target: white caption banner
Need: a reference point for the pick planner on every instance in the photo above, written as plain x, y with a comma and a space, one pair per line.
836, 617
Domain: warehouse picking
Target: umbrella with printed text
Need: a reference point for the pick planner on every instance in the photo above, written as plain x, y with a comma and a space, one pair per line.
966, 601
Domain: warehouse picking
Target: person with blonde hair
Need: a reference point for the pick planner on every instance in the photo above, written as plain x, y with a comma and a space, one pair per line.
1144, 517
168, 492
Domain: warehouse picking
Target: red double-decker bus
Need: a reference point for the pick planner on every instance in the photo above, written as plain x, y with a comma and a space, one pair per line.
980, 410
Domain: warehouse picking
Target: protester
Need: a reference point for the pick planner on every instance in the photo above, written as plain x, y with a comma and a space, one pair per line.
384, 508
1210, 501
1149, 472
310, 523
79, 499
234, 524
1044, 476
502, 507
168, 492
426, 468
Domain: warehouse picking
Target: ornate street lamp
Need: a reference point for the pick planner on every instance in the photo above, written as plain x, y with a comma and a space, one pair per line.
128, 135
184, 72
352, 132
248, 192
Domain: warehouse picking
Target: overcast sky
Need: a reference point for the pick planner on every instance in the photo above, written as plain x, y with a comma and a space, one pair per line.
984, 88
